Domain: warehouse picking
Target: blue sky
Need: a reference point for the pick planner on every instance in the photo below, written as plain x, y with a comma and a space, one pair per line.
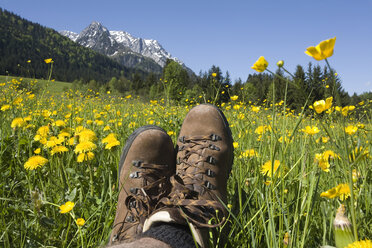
230, 34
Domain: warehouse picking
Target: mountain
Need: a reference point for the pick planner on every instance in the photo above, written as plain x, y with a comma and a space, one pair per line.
130, 51
24, 45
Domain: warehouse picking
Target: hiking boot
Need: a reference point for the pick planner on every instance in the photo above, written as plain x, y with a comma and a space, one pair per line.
146, 163
199, 188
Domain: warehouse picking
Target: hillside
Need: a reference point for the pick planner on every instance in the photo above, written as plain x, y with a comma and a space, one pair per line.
24, 45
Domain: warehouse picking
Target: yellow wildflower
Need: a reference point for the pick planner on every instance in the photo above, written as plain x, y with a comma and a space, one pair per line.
360, 244
260, 65
85, 146
60, 123
323, 50
86, 135
214, 74
249, 153
48, 61
58, 149
67, 207
311, 130
351, 130
341, 190
18, 122
85, 157
234, 98
111, 141
235, 144
80, 221
35, 162
255, 109
37, 151
5, 107
280, 63
266, 168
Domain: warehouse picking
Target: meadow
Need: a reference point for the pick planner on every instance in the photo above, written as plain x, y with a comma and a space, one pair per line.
292, 171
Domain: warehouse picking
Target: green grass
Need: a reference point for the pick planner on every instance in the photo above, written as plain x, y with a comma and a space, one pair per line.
262, 209
55, 87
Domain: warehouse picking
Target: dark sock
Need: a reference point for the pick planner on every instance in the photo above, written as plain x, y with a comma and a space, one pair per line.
177, 236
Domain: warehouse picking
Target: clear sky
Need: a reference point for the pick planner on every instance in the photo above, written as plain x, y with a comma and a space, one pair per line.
231, 34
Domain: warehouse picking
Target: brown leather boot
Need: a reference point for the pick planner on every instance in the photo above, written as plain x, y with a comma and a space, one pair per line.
147, 162
204, 161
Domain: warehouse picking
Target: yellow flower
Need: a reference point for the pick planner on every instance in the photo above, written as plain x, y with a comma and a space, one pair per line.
85, 146
214, 74
85, 157
255, 109
323, 50
235, 144
43, 131
58, 149
266, 168
351, 130
37, 151
60, 123
311, 130
128, 96
360, 244
35, 162
67, 207
280, 63
18, 122
48, 61
234, 98
341, 190
347, 109
322, 105
80, 222
319, 106
170, 133
260, 65
86, 135
5, 107
249, 153
111, 141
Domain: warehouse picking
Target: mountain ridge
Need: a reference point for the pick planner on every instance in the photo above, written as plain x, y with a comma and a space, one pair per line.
121, 44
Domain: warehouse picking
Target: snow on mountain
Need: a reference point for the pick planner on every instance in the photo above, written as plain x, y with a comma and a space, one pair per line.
119, 43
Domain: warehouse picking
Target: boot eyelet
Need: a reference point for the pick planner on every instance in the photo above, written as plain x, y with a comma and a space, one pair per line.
209, 185
210, 173
211, 160
181, 139
215, 137
136, 163
134, 174
134, 191
130, 218
213, 147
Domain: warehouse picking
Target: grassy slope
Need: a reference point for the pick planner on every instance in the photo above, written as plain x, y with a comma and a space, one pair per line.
54, 87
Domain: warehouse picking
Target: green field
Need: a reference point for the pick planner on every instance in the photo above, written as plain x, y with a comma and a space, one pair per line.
280, 195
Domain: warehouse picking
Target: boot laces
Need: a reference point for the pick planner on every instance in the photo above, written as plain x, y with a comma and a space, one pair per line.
140, 202
188, 185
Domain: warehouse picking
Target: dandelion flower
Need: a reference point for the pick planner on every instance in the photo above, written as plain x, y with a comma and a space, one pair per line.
351, 130
67, 207
360, 244
266, 168
5, 107
58, 149
341, 190
80, 222
18, 122
311, 130
35, 162
260, 65
85, 146
323, 50
48, 61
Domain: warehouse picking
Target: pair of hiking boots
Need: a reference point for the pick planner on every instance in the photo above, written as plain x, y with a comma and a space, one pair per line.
186, 185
